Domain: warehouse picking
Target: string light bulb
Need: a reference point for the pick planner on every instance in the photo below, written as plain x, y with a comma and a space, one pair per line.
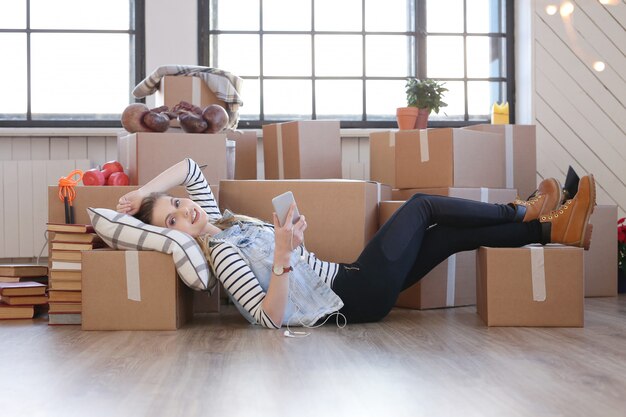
567, 9
551, 9
599, 66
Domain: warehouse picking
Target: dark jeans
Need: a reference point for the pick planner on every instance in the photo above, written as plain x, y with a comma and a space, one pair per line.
423, 232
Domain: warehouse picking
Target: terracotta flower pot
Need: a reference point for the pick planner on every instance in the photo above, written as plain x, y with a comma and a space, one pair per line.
406, 117
422, 119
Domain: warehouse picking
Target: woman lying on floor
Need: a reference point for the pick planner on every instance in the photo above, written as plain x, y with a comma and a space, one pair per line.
274, 281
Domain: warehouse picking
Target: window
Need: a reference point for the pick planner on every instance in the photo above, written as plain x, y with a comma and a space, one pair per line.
349, 59
70, 62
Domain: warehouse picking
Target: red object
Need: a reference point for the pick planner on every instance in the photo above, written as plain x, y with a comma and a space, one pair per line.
93, 177
118, 178
110, 167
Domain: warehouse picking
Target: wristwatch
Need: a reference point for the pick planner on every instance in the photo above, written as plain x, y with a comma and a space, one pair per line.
279, 270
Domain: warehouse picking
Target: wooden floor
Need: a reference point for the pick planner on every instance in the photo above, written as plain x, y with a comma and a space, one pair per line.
414, 363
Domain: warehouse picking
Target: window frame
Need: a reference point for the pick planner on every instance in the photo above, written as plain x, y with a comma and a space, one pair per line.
419, 64
137, 59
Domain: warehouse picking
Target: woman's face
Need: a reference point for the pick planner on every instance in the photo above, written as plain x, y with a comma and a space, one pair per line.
181, 214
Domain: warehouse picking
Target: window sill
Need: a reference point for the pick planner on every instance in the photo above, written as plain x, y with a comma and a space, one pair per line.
112, 131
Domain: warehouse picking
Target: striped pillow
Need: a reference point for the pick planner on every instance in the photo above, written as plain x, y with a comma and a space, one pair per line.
122, 231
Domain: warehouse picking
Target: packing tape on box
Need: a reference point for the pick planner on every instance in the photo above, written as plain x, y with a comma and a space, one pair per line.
451, 285
279, 151
133, 290
508, 155
392, 139
538, 273
196, 93
484, 194
424, 155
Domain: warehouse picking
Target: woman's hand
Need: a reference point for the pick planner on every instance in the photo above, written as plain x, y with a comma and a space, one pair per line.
129, 203
288, 236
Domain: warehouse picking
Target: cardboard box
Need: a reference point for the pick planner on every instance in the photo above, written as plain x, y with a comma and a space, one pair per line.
530, 286
453, 282
342, 215
601, 258
146, 155
133, 290
105, 196
433, 158
245, 153
176, 88
520, 155
309, 149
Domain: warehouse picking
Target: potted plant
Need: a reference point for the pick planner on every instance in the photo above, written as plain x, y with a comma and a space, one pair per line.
422, 96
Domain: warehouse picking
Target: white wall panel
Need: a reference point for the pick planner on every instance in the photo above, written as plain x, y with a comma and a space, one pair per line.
59, 148
580, 113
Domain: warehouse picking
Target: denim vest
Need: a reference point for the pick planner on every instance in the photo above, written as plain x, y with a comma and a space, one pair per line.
309, 298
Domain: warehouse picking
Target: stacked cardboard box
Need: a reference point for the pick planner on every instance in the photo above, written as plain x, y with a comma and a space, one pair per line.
65, 276
447, 162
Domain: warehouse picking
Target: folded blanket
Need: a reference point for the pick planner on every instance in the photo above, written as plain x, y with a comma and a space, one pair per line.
224, 85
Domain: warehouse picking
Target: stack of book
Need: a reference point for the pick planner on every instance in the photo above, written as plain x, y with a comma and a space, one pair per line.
18, 299
66, 243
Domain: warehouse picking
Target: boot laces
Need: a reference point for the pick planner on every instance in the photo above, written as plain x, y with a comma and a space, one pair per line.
555, 213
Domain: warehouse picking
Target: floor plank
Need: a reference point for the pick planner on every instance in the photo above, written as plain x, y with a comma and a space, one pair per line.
414, 363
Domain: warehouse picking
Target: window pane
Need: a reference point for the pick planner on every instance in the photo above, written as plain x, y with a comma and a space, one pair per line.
387, 56
445, 56
13, 95
383, 98
444, 16
337, 55
79, 14
481, 95
455, 98
251, 96
349, 106
95, 80
485, 57
287, 55
13, 14
287, 99
238, 54
387, 16
483, 16
286, 15
236, 15
344, 15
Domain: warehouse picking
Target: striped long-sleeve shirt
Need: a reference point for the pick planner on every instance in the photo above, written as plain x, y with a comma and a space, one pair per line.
231, 269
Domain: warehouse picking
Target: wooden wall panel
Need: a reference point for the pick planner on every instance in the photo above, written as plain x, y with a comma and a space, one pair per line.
580, 113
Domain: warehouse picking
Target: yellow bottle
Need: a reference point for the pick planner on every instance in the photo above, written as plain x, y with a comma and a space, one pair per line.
500, 113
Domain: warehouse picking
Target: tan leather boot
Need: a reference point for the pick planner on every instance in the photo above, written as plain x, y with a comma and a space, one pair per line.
569, 224
546, 198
